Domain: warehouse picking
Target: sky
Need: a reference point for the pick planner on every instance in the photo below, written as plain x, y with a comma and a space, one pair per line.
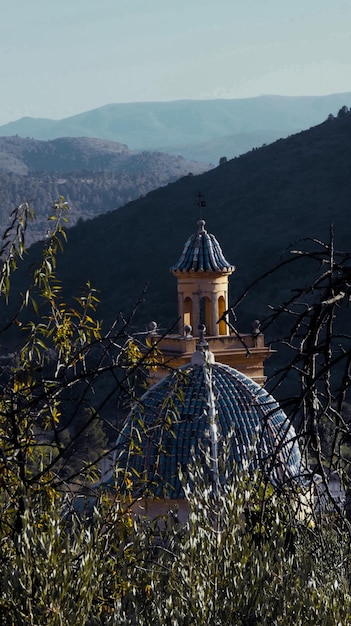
62, 57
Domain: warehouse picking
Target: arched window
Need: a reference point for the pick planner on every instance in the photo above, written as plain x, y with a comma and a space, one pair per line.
188, 312
221, 308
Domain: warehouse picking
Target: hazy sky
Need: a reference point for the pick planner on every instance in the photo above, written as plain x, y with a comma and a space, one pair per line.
61, 57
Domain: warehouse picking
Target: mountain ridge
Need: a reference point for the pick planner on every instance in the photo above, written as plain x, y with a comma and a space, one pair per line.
152, 125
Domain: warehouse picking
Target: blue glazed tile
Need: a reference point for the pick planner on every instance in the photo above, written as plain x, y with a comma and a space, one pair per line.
202, 253
246, 415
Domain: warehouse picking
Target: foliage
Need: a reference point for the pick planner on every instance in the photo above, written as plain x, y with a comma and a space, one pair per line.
224, 569
47, 412
49, 569
241, 568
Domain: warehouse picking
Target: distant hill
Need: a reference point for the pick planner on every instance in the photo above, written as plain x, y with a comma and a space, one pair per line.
94, 175
186, 124
67, 154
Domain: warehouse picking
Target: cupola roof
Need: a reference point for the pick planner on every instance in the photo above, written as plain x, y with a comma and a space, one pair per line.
202, 253
174, 425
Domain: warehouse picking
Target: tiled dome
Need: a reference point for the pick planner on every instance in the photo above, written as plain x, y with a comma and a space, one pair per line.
172, 427
202, 253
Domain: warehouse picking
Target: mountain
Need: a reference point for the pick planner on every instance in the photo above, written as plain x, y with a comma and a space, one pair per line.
256, 205
94, 175
185, 123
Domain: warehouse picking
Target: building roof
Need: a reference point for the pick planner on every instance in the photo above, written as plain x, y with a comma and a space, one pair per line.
193, 415
202, 253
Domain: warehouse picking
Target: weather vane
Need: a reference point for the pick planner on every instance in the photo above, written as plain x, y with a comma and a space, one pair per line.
201, 203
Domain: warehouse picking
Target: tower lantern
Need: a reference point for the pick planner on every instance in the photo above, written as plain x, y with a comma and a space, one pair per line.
202, 274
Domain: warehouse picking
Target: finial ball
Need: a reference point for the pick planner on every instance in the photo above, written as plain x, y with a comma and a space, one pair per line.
201, 224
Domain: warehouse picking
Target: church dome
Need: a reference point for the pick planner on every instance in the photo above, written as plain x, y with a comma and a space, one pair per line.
202, 253
192, 415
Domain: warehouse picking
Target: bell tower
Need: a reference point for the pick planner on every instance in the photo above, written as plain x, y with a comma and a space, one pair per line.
202, 274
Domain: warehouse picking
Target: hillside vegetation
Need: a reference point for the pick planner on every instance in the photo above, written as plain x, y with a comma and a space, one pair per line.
95, 176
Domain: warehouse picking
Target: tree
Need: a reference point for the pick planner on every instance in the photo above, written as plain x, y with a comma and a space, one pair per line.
51, 379
343, 111
311, 331
47, 413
